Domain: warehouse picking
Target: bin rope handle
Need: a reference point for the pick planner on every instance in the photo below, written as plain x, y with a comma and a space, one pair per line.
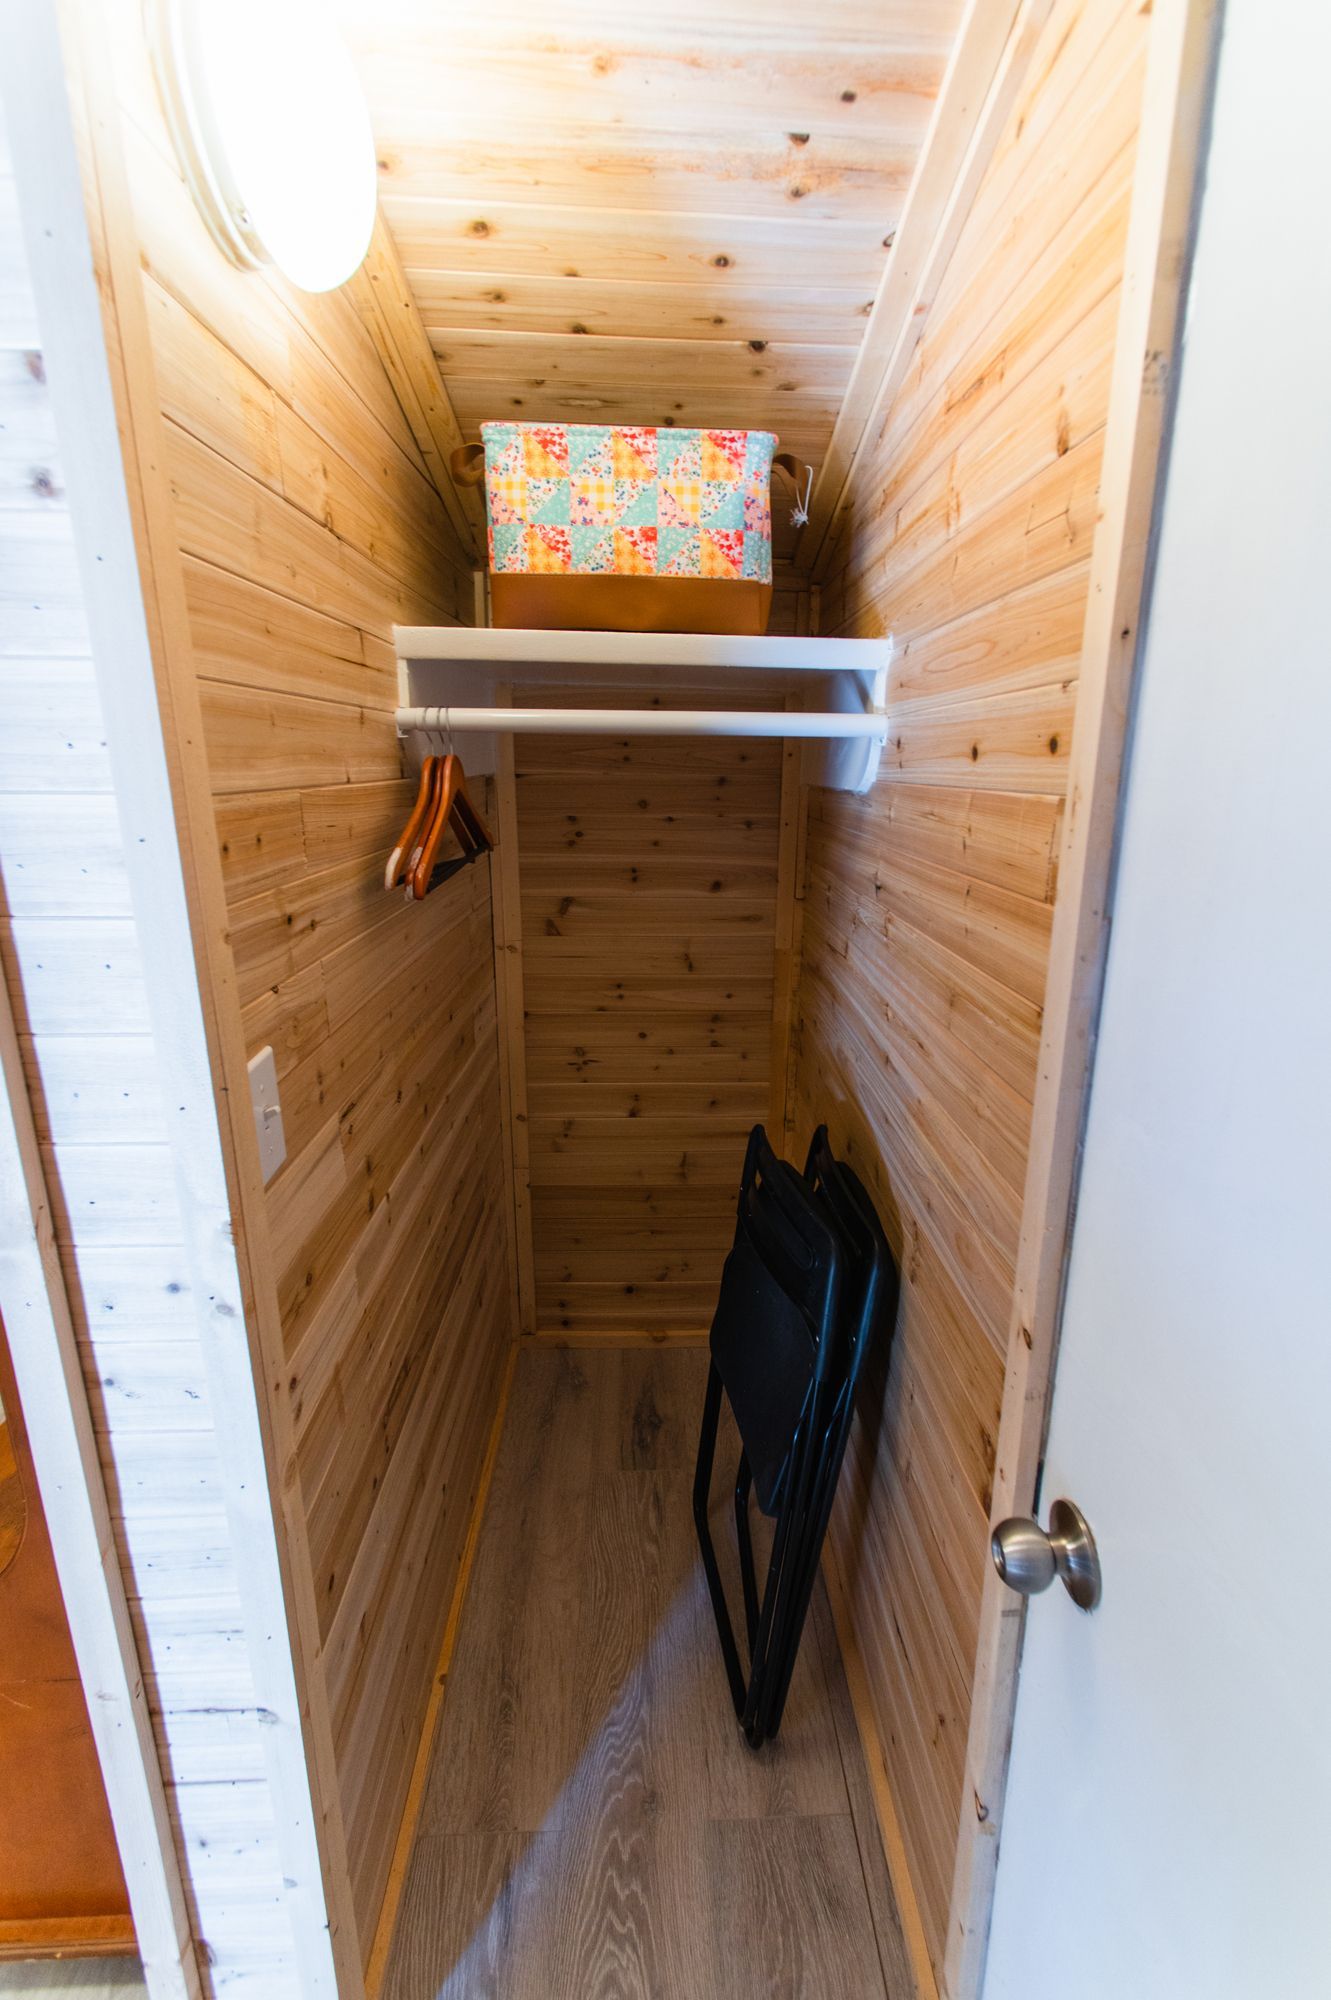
799, 513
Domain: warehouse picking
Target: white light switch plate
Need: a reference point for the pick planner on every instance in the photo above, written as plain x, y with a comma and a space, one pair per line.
267, 1112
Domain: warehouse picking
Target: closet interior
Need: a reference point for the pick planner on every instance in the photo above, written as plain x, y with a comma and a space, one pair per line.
477, 1272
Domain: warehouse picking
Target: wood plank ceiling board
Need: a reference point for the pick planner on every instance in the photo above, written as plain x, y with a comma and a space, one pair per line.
677, 218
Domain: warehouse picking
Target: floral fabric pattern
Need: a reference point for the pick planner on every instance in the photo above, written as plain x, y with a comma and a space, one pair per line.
620, 500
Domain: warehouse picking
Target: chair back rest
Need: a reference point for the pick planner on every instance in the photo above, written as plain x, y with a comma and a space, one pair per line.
774, 1329
871, 1282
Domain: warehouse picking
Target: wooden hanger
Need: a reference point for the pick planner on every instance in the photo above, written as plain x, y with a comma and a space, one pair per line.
451, 807
398, 860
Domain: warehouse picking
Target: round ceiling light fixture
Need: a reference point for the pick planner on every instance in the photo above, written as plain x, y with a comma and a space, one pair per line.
271, 127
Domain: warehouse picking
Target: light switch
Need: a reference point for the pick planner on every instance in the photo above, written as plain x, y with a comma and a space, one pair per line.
267, 1112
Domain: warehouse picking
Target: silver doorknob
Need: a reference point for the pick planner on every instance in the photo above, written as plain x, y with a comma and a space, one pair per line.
1028, 1559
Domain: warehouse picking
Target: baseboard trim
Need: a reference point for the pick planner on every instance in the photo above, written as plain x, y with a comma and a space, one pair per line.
411, 1811
889, 1826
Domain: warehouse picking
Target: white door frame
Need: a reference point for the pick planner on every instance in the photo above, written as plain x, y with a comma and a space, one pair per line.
51, 56
53, 1398
44, 1351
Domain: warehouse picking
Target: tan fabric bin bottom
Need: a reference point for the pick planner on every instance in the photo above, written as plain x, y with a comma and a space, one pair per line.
629, 604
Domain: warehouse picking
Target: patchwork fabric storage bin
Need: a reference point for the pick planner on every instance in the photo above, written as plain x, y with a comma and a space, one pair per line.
622, 528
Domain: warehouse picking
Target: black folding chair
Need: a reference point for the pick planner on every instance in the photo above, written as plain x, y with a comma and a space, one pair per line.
809, 1283
869, 1292
773, 1345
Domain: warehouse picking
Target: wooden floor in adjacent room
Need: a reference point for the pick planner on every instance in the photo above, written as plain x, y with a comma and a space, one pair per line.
594, 1827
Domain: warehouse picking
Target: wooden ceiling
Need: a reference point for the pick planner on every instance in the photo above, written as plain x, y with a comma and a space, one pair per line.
676, 213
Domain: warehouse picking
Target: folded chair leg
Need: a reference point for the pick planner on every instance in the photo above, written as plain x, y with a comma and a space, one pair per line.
824, 1487
702, 1487
770, 1623
748, 1575
778, 1685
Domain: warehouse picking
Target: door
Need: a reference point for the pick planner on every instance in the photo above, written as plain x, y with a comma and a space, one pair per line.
1165, 1834
62, 1892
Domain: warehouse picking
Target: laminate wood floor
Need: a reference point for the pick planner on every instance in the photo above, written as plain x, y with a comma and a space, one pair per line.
86, 1979
594, 1826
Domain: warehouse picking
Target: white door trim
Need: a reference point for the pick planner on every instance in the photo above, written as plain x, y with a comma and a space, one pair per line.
44, 1351
44, 77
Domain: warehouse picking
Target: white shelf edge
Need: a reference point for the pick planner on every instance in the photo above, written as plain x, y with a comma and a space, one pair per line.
487, 646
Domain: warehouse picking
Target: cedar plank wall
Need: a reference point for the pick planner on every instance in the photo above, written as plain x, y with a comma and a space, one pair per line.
307, 527
927, 903
649, 873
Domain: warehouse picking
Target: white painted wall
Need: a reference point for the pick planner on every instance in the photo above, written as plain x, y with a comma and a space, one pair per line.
1165, 1833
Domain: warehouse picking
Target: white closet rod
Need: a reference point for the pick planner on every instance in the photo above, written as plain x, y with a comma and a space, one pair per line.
645, 722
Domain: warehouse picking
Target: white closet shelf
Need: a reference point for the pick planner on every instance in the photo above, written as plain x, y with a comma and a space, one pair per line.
834, 689
615, 652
